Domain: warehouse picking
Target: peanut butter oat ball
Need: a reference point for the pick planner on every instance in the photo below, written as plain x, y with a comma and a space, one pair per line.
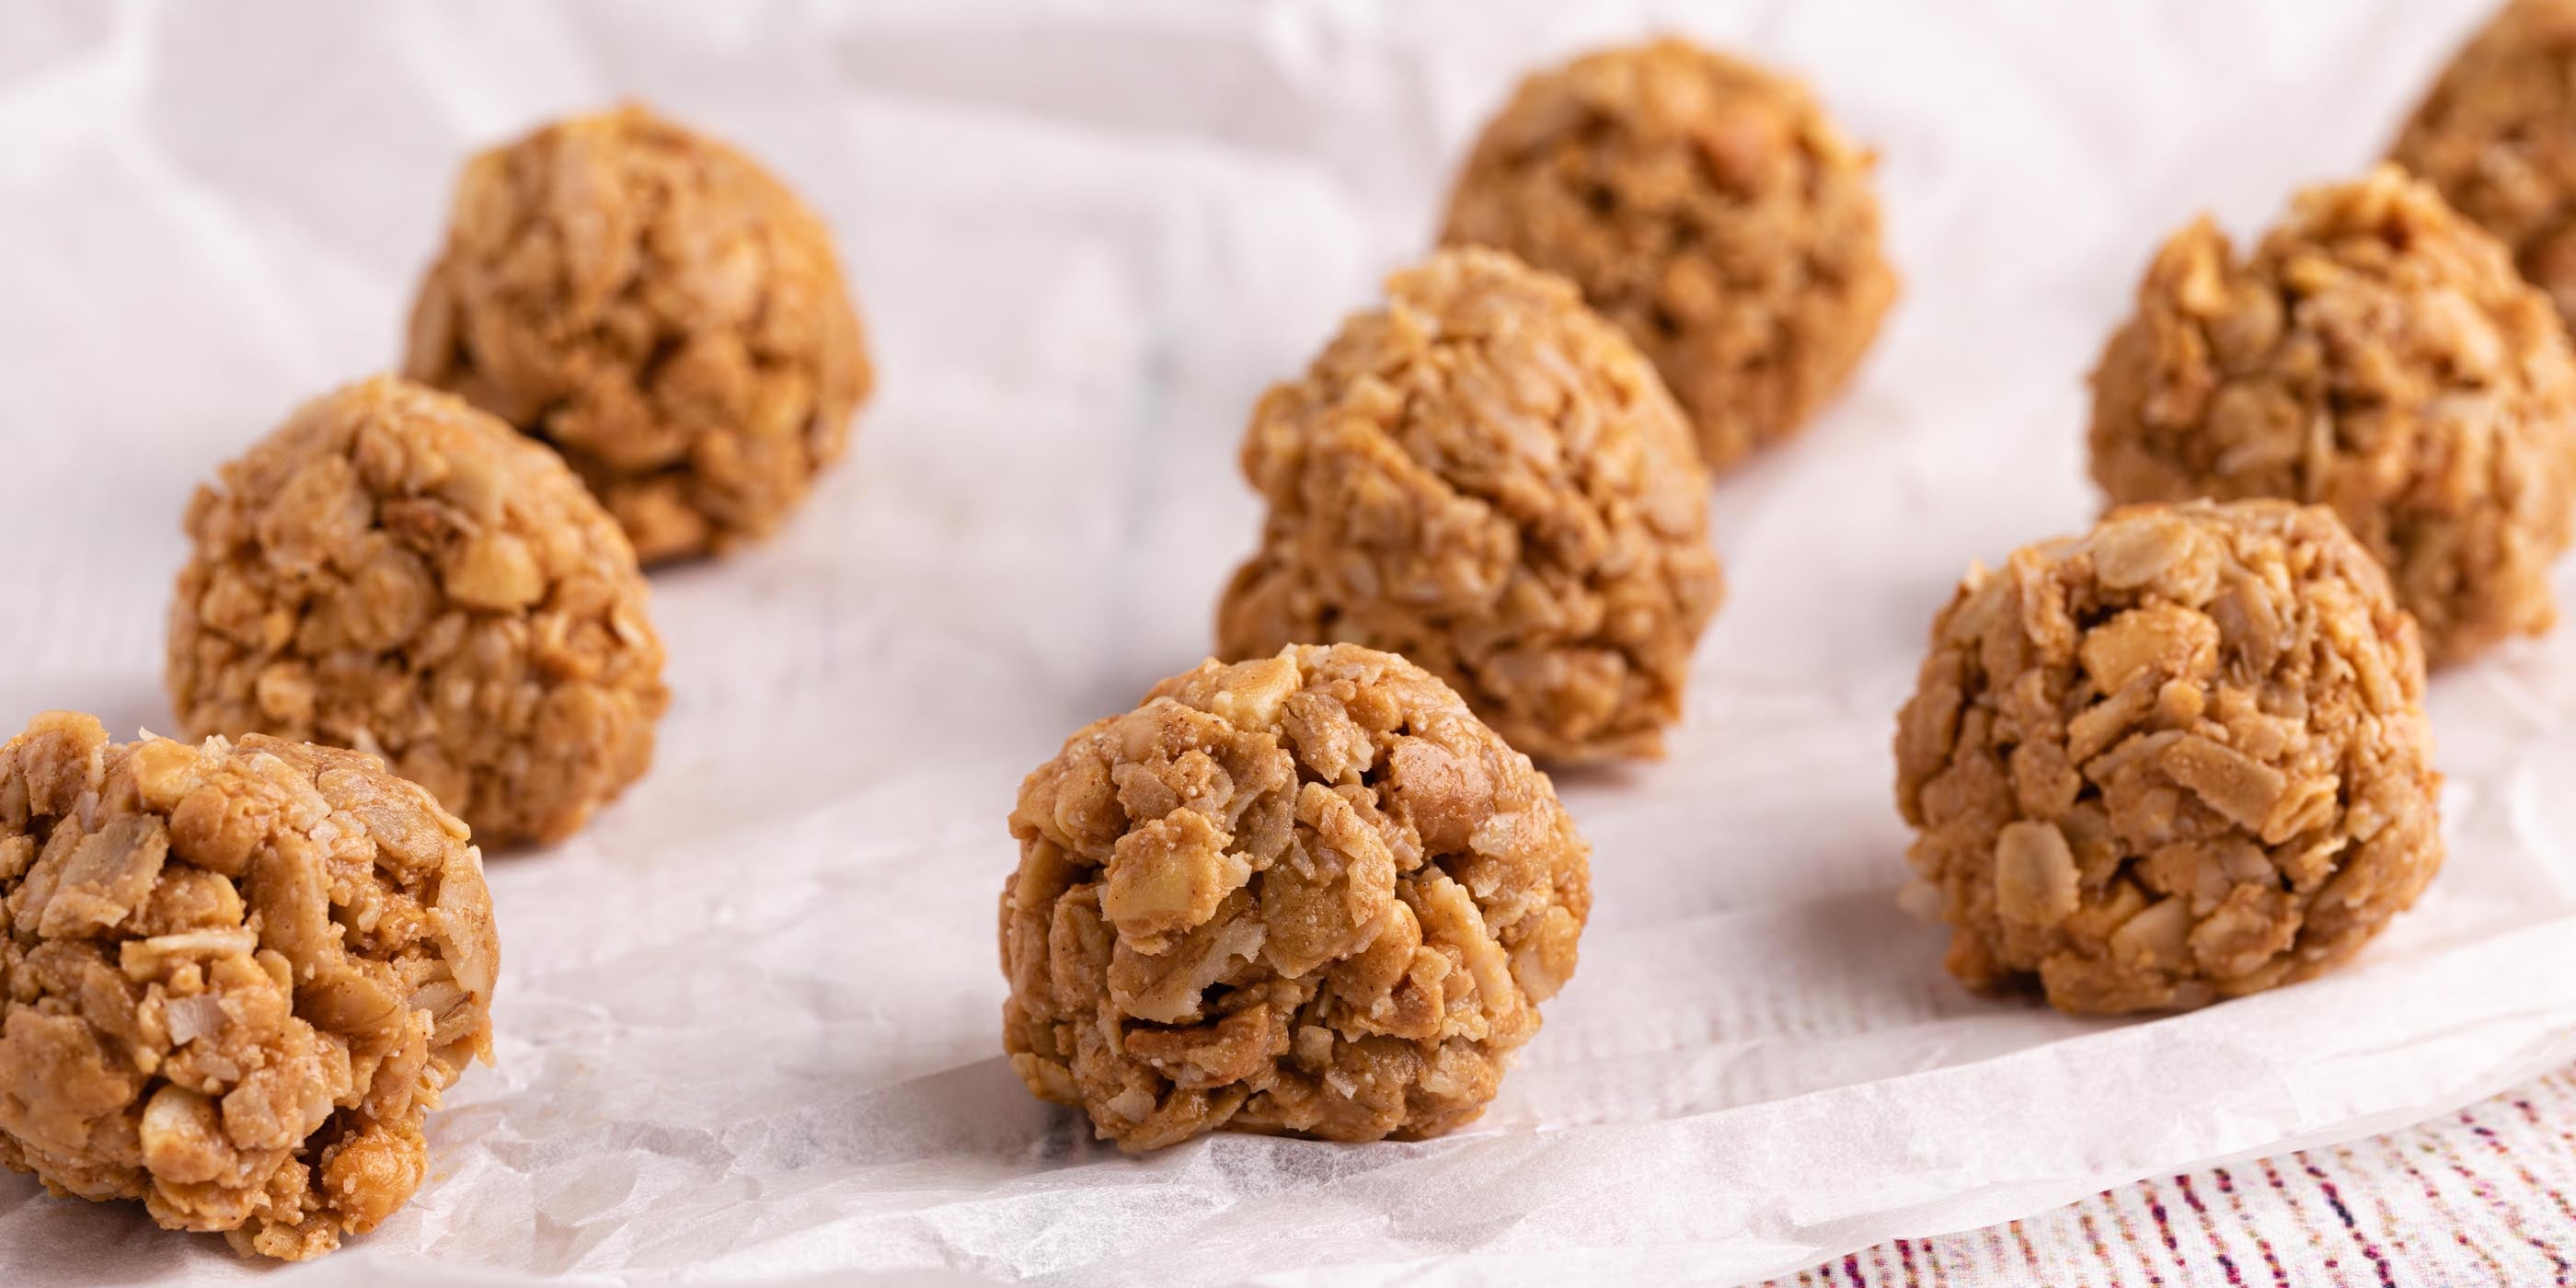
397, 572
2497, 135
659, 309
233, 978
2375, 354
1706, 205
2180, 758
1310, 895
1487, 478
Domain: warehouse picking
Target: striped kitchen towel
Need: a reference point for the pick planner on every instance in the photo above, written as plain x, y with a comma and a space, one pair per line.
2478, 1198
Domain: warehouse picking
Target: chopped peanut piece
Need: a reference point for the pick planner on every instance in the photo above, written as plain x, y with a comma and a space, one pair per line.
494, 570
2169, 642
1167, 875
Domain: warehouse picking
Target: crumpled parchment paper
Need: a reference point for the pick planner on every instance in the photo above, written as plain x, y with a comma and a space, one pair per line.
748, 1021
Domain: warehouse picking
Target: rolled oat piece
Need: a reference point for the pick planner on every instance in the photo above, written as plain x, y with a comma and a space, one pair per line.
396, 572
234, 977
1310, 895
2376, 354
1487, 478
2181, 758
659, 309
2497, 134
1706, 205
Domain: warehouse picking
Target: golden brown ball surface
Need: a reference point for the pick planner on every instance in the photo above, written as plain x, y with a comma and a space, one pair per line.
233, 979
1310, 895
2180, 758
658, 308
1487, 478
2375, 354
394, 571
1706, 205
2497, 135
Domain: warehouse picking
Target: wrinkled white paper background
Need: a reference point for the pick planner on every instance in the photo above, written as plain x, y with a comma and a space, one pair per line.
748, 1021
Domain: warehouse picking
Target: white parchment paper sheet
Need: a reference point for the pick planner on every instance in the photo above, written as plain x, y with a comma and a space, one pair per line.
748, 1021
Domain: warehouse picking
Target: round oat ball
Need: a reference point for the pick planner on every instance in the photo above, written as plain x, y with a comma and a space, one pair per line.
1487, 478
233, 978
1706, 205
2180, 758
1310, 895
659, 309
397, 572
2497, 135
2375, 354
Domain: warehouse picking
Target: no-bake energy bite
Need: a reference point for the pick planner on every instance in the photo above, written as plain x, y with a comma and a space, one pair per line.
233, 979
1706, 205
2497, 134
2181, 758
1311, 894
397, 572
658, 308
2375, 354
1487, 478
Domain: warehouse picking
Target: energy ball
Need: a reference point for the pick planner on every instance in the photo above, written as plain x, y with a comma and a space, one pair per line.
2497, 135
657, 308
1309, 895
1706, 205
2180, 758
233, 978
2375, 354
399, 573
1487, 478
